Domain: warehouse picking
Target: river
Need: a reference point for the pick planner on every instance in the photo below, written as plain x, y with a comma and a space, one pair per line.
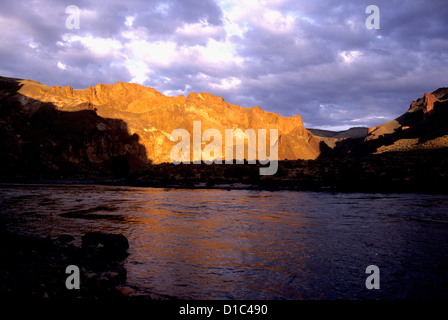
244, 244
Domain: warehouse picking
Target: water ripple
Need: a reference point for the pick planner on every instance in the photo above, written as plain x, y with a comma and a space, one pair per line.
240, 244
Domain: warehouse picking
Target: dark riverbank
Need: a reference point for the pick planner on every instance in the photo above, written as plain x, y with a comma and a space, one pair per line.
35, 268
395, 172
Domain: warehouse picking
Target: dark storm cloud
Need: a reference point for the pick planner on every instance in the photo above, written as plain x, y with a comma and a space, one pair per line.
30, 37
163, 18
313, 58
397, 63
34, 21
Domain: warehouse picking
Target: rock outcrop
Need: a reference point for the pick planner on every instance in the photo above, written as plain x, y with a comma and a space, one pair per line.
428, 104
423, 126
47, 133
418, 112
94, 128
153, 116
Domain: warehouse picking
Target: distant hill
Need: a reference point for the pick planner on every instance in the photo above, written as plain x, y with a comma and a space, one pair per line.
334, 138
352, 133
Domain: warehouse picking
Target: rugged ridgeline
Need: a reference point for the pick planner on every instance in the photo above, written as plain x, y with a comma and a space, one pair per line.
331, 138
153, 116
114, 129
123, 130
422, 128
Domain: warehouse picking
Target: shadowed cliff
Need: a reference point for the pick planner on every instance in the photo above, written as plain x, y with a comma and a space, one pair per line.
423, 127
41, 139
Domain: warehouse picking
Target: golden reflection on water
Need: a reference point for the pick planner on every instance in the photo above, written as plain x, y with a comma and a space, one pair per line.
218, 244
213, 238
185, 243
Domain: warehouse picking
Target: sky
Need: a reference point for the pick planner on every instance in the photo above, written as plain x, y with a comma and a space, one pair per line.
314, 58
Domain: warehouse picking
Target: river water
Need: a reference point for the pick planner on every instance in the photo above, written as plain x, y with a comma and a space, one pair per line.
242, 244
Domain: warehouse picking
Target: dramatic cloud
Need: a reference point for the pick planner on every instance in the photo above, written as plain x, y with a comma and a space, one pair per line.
313, 58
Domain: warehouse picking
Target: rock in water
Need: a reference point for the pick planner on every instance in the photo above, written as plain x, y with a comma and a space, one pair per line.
65, 238
106, 246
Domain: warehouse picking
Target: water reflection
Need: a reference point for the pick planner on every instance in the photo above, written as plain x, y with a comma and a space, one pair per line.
213, 244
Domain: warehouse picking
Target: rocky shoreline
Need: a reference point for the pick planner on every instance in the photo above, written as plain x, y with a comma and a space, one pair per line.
35, 268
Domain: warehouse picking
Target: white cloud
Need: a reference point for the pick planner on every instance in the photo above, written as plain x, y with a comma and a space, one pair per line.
350, 56
156, 53
226, 84
276, 22
62, 66
163, 8
201, 29
218, 52
241, 16
98, 46
129, 21
138, 70
32, 44
368, 119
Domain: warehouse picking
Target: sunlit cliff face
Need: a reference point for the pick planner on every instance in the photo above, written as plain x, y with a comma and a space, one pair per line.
153, 116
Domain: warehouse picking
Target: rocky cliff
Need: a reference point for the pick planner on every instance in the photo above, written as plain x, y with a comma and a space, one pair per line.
153, 116
123, 123
46, 133
423, 126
